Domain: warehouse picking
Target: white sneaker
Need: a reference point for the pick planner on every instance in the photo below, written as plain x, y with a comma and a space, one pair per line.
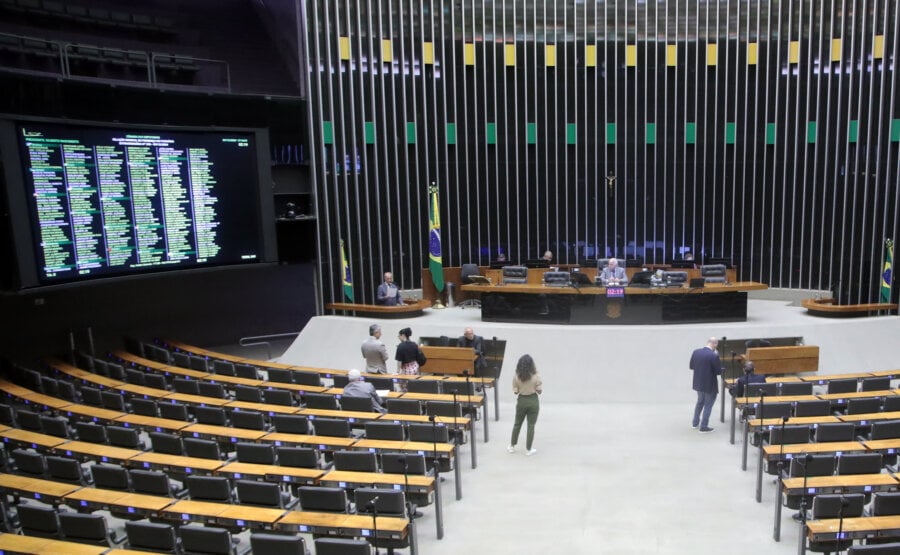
530, 452
511, 449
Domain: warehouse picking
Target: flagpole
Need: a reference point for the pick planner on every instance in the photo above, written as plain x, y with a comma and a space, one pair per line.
435, 258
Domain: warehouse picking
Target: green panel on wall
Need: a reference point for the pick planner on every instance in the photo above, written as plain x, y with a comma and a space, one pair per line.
571, 134
895, 130
730, 132
690, 133
651, 134
853, 131
490, 132
327, 132
451, 133
770, 133
610, 133
811, 132
410, 132
369, 130
531, 133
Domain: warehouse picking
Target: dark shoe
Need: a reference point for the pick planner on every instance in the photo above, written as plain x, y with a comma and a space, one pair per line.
706, 430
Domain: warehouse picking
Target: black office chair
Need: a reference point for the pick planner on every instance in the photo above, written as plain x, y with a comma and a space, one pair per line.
209, 488
334, 427
223, 367
203, 448
144, 407
173, 410
875, 384
209, 389
297, 457
263, 494
279, 375
280, 544
394, 431
182, 360
121, 436
820, 407
110, 476
281, 397
514, 274
41, 522
357, 461
306, 378
842, 386
676, 277
87, 528
320, 401
357, 404
860, 463
214, 416
248, 420
799, 388
55, 426
246, 371
154, 482
201, 540
257, 453
183, 385
248, 394
423, 386
341, 546
466, 272
316, 498
892, 548
404, 406
65, 469
290, 424
844, 431
842, 505
170, 444
151, 536
29, 462
557, 279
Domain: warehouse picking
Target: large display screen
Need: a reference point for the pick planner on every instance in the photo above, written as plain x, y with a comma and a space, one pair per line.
104, 201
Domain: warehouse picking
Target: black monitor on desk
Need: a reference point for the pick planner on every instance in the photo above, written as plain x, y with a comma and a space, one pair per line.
682, 264
580, 279
537, 263
641, 279
499, 264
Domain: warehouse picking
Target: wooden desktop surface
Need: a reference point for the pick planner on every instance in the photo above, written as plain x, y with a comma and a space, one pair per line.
239, 470
223, 512
120, 499
772, 452
30, 486
308, 440
97, 452
826, 529
352, 524
23, 437
161, 460
14, 543
152, 423
263, 407
216, 432
839, 483
340, 478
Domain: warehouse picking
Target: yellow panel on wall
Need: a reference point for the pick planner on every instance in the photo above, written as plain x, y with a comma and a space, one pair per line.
344, 47
836, 45
590, 55
387, 54
712, 54
671, 55
630, 55
551, 55
428, 52
752, 53
469, 54
510, 54
878, 47
794, 52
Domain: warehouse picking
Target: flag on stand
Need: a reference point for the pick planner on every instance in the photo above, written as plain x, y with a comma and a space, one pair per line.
345, 274
887, 272
435, 264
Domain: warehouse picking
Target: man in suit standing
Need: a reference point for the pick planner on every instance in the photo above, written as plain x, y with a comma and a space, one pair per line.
613, 274
374, 351
388, 292
707, 367
476, 342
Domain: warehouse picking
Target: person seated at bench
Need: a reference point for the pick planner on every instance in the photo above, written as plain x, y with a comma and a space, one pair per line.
358, 388
388, 292
737, 389
476, 342
613, 274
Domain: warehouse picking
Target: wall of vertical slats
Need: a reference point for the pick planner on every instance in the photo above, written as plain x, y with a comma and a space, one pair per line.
766, 132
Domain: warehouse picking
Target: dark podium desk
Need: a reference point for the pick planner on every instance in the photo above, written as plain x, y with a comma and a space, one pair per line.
591, 305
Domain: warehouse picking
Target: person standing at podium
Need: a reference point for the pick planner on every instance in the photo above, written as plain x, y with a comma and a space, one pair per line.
388, 292
374, 351
707, 367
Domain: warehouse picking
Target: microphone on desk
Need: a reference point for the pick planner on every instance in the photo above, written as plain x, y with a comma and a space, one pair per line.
371, 503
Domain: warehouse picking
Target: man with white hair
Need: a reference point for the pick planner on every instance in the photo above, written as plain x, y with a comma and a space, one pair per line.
613, 274
707, 367
374, 351
358, 388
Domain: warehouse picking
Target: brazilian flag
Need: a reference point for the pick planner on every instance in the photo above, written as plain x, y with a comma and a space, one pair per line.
345, 272
887, 272
435, 263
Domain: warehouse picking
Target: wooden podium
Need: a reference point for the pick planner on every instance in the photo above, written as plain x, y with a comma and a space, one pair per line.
784, 360
448, 360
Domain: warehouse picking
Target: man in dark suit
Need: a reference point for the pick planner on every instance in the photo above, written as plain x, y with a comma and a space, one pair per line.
476, 342
707, 367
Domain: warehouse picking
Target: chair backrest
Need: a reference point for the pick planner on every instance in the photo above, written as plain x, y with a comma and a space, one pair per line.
211, 415
340, 380
713, 273
281, 397
843, 431
182, 360
320, 401
91, 396
387, 501
773, 410
466, 271
38, 521
248, 420
891, 403
885, 429
209, 488
257, 453
200, 539
460, 388
246, 371
91, 432
209, 389
55, 426
175, 411
170, 444
248, 393
144, 407
358, 461
306, 378
842, 385
812, 465
428, 433
443, 408
151, 482
834, 505
199, 363
316, 498
358, 404
7, 415
67, 391
394, 431
29, 420
675, 276
403, 463
116, 371
515, 274
791, 434
798, 388
280, 544
156, 381
382, 383
886, 503
423, 386
341, 546
184, 385
404, 406
556, 278
821, 407
290, 424
875, 549
29, 462
110, 476
64, 468
875, 384
150, 535
203, 448
335, 427
266, 494
754, 389
121, 436
297, 457
134, 376
223, 367
279, 375
84, 528
860, 463
864, 405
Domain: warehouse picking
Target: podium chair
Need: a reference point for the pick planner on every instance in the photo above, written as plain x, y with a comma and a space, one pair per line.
465, 274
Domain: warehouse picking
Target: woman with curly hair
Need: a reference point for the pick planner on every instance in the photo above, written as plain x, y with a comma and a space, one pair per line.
527, 385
